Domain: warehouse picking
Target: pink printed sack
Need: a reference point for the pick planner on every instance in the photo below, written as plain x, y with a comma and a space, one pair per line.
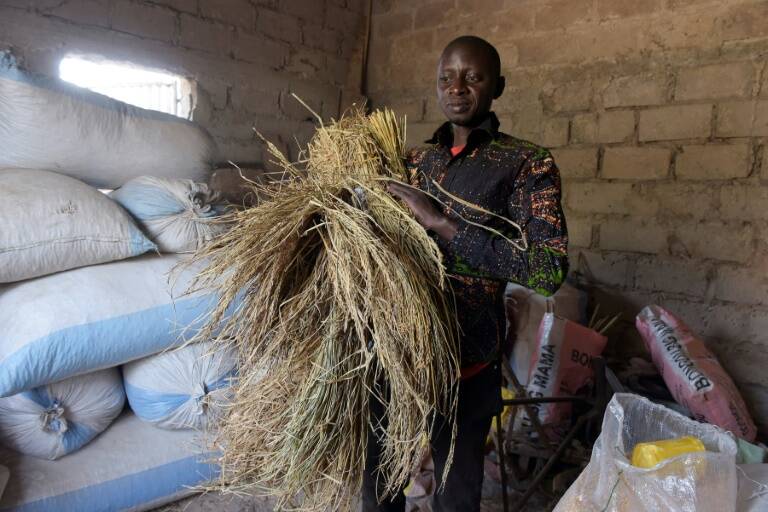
560, 366
692, 373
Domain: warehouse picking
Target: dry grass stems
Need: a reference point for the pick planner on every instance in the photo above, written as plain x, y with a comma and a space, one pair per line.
333, 288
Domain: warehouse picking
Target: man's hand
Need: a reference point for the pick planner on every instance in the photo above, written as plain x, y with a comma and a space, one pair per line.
425, 212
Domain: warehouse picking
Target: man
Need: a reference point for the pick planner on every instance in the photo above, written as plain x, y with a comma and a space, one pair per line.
470, 159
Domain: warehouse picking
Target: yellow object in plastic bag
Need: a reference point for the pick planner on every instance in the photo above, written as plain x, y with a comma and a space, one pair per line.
647, 455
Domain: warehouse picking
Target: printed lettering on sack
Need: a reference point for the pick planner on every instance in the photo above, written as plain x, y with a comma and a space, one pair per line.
744, 427
561, 366
582, 358
692, 373
542, 381
678, 358
545, 368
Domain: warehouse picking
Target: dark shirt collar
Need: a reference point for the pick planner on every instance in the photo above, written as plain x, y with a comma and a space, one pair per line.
489, 127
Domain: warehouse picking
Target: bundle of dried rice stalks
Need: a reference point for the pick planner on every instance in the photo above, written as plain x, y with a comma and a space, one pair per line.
335, 289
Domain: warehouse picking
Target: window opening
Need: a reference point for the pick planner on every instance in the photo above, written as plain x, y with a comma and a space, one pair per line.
153, 90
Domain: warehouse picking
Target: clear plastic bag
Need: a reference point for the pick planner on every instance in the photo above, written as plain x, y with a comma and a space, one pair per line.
700, 482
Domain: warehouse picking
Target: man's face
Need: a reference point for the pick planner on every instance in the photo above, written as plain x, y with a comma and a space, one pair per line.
466, 84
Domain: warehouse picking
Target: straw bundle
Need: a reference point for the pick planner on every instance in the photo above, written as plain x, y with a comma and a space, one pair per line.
335, 289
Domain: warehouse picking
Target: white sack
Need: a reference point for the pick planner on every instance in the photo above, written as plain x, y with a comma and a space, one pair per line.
693, 482
50, 222
526, 308
51, 421
178, 215
83, 320
46, 123
182, 388
131, 467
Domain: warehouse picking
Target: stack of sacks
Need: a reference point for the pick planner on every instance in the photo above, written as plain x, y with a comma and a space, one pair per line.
62, 315
72, 321
183, 388
53, 223
82, 288
92, 316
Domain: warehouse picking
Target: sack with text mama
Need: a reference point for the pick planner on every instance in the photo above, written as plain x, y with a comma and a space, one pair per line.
560, 366
692, 373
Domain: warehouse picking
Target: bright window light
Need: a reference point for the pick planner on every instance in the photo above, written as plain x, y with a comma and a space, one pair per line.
143, 88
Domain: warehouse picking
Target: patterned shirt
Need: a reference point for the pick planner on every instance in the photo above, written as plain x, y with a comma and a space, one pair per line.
511, 178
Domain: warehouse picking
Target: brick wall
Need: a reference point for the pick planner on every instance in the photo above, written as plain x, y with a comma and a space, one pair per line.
246, 56
657, 112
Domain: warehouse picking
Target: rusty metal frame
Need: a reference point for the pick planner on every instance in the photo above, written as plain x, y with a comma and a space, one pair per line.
598, 401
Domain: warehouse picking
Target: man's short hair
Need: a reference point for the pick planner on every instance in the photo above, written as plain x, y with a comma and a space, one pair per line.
480, 43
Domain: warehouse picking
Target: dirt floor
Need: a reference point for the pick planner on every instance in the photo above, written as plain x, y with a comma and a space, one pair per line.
214, 502
217, 503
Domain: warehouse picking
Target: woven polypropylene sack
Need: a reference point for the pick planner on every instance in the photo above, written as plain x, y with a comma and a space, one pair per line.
50, 222
694, 482
54, 420
82, 320
178, 215
692, 373
182, 388
525, 309
46, 123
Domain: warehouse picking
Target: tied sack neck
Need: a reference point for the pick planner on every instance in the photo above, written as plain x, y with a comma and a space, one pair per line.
52, 419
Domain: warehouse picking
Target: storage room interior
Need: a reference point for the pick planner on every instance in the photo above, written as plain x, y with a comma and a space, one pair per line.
655, 112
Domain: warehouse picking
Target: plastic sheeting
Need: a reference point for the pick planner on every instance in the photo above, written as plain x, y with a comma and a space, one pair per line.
182, 388
50, 222
694, 482
46, 123
753, 488
51, 421
178, 215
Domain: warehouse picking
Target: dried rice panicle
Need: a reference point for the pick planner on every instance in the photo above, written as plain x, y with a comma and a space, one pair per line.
329, 288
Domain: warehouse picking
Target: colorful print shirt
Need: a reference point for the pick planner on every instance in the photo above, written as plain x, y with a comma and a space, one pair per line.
513, 179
